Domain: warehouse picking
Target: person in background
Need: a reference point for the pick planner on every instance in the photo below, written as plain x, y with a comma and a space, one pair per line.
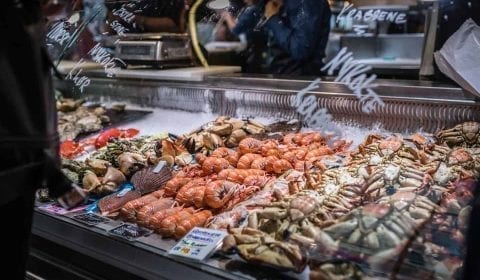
297, 34
150, 15
244, 28
28, 130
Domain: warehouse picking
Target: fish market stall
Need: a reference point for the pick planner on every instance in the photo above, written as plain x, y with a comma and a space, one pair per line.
389, 198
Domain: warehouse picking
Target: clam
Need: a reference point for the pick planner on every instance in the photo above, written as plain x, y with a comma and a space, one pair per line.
114, 176
90, 181
98, 166
235, 138
131, 162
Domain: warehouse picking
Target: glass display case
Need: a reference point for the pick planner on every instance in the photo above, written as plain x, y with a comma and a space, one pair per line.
360, 169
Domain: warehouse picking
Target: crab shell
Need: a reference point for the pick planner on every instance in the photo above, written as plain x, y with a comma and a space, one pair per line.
466, 135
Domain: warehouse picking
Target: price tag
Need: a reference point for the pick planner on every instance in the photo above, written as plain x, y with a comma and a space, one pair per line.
90, 219
198, 244
129, 232
54, 208
161, 164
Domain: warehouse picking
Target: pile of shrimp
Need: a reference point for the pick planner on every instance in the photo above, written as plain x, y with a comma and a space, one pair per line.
206, 193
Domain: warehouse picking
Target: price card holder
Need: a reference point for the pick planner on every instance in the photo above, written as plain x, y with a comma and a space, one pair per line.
90, 219
198, 244
129, 232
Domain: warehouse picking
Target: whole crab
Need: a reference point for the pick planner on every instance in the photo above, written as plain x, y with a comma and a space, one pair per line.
378, 150
390, 178
291, 215
341, 190
373, 228
258, 247
465, 135
458, 163
417, 206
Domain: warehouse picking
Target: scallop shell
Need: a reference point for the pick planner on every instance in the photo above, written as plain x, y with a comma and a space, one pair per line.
147, 181
112, 203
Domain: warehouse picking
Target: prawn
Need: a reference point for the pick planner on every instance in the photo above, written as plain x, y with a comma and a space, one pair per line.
217, 193
249, 145
148, 210
246, 160
214, 165
196, 220
129, 210
172, 186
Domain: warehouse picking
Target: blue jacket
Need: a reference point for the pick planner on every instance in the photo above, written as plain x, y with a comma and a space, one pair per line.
297, 35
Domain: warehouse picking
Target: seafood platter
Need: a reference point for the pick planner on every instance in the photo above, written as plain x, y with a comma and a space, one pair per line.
393, 206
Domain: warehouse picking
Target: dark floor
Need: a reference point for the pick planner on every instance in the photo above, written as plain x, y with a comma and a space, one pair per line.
50, 261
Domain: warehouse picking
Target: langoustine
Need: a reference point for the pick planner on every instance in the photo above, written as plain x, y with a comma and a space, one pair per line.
146, 212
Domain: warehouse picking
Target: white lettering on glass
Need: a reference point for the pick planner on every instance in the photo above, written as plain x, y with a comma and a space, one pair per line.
368, 16
314, 117
58, 33
101, 55
352, 73
80, 81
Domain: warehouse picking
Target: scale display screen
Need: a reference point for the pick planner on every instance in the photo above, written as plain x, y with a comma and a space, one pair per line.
138, 50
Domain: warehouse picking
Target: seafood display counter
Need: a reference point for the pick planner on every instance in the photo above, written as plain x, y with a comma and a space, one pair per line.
391, 200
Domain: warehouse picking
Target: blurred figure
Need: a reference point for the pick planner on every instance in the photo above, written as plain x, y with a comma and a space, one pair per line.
28, 130
243, 27
296, 31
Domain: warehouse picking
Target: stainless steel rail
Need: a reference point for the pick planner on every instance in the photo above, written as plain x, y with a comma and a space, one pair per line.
410, 106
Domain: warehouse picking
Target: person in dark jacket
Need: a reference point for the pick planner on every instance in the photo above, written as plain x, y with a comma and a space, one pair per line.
28, 129
297, 33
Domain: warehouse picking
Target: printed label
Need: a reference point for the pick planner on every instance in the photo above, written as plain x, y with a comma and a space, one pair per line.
198, 244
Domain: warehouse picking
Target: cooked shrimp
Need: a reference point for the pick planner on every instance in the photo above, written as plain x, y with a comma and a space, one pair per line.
129, 210
290, 157
325, 150
239, 175
147, 211
228, 219
169, 224
214, 165
200, 157
270, 161
249, 145
186, 194
259, 163
196, 220
241, 194
269, 148
313, 137
255, 180
172, 186
222, 152
155, 221
280, 166
158, 194
217, 193
288, 139
245, 161
233, 158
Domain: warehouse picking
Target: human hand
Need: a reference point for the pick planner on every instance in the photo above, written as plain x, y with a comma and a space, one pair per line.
272, 8
73, 197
